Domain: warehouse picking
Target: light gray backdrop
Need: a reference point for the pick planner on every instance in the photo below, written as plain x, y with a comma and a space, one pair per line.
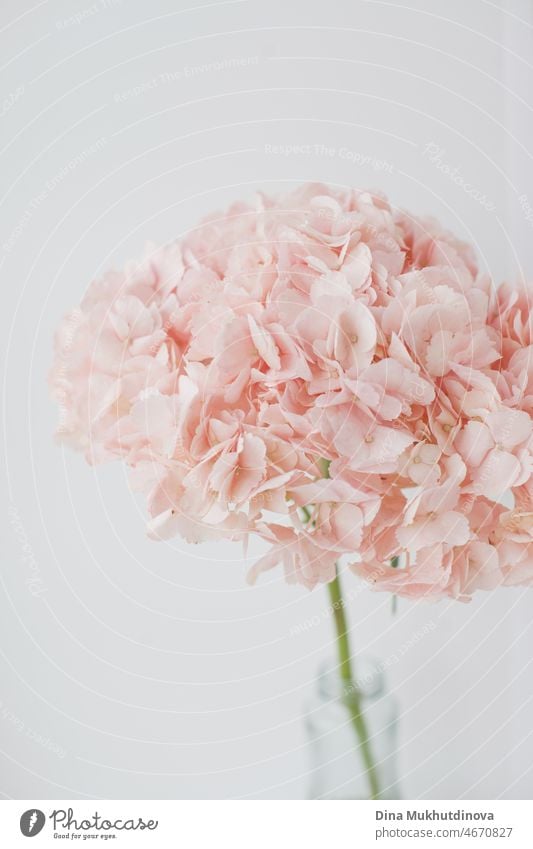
136, 669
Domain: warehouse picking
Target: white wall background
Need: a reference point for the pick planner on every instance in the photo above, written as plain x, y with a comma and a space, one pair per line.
149, 670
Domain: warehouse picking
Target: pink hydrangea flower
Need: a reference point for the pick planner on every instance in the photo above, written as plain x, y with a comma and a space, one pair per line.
326, 372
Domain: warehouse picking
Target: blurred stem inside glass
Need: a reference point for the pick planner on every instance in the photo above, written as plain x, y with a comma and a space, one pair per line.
349, 687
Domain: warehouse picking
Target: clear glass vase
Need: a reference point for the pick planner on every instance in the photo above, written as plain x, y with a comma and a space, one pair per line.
338, 768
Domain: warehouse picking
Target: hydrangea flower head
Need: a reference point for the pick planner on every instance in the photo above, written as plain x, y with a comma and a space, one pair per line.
323, 371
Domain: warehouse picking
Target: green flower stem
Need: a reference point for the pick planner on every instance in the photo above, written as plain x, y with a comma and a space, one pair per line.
352, 698
395, 562
353, 701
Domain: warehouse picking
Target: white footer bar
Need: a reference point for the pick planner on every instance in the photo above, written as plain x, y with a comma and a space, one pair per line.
266, 824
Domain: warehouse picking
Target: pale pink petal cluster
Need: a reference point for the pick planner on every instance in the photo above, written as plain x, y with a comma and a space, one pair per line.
323, 371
